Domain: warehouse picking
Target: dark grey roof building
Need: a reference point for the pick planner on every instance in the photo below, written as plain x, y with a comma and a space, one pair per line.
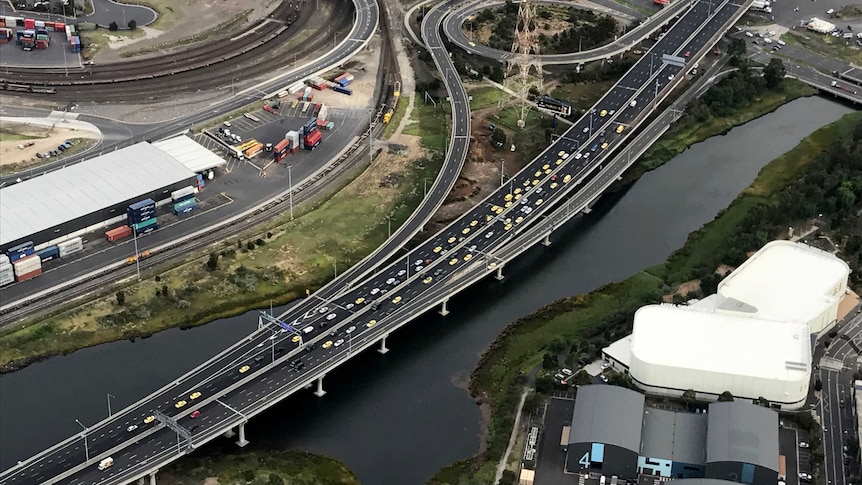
742, 443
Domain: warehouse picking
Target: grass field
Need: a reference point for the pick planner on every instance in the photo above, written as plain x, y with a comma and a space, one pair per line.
486, 97
827, 45
95, 40
166, 12
581, 95
499, 377
6, 135
276, 262
431, 124
291, 467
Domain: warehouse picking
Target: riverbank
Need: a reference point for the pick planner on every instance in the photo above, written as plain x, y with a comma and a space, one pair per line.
276, 262
275, 467
587, 323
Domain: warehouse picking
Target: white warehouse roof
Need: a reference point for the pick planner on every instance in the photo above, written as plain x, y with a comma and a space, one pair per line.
190, 153
787, 281
46, 201
678, 348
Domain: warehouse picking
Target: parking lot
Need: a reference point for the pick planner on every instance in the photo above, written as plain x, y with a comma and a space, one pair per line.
56, 55
551, 457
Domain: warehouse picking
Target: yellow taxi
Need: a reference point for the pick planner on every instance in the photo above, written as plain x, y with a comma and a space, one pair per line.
371, 323
473, 223
396, 300
360, 300
567, 179
518, 196
535, 182
195, 395
296, 338
508, 204
149, 419
545, 166
508, 197
620, 128
453, 261
451, 240
603, 113
507, 227
180, 404
547, 171
327, 344
559, 161
604, 145
519, 219
244, 369
517, 190
553, 185
561, 153
526, 183
489, 218
465, 230
428, 280
438, 249
495, 208
538, 173
539, 202
468, 257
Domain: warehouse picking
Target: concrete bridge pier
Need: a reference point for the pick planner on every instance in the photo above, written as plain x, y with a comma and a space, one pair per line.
227, 434
141, 481
383, 349
153, 477
240, 442
320, 392
443, 310
499, 276
578, 67
547, 241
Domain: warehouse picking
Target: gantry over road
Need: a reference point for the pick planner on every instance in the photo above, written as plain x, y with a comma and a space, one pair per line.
289, 353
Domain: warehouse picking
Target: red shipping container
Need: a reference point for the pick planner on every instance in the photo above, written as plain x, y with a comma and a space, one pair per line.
313, 138
29, 24
118, 233
59, 27
30, 275
2, 22
41, 44
281, 145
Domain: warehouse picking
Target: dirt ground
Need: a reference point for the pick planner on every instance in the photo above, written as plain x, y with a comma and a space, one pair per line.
192, 17
46, 139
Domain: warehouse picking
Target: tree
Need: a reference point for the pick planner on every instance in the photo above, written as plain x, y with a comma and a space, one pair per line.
212, 263
544, 385
736, 48
549, 361
113, 27
774, 72
532, 402
689, 396
121, 297
582, 378
248, 475
275, 479
497, 74
558, 345
508, 478
818, 385
499, 138
725, 396
133, 24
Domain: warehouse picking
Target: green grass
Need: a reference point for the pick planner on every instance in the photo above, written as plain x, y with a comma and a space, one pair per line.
678, 138
581, 95
486, 97
166, 15
397, 116
586, 320
337, 229
639, 8
433, 124
10, 136
292, 466
830, 46
95, 40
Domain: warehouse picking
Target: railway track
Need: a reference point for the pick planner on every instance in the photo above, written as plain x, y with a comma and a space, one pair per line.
218, 63
320, 185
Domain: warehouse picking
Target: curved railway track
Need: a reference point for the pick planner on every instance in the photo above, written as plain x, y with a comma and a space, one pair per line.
215, 63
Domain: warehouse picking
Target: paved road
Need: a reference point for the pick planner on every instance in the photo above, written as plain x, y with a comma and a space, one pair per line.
454, 22
107, 11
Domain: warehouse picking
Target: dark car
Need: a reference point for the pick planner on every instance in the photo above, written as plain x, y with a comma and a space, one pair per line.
258, 358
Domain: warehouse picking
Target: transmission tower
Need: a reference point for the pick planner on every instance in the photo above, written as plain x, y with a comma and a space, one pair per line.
524, 68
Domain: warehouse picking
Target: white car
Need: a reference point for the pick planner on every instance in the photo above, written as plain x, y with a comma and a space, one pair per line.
418, 262
604, 378
578, 156
338, 342
132, 428
749, 34
375, 291
351, 329
331, 316
308, 329
349, 306
586, 129
803, 444
567, 372
402, 272
390, 281
323, 309
489, 234
805, 476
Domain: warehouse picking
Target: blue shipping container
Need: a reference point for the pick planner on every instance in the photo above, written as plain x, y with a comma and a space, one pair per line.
145, 210
201, 182
339, 89
48, 253
147, 230
343, 82
185, 210
18, 255
140, 219
142, 204
21, 247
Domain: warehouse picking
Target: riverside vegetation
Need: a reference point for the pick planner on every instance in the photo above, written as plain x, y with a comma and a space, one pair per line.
824, 172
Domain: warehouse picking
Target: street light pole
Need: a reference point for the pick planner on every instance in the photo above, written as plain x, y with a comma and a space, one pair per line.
137, 255
109, 403
389, 223
502, 171
86, 449
290, 189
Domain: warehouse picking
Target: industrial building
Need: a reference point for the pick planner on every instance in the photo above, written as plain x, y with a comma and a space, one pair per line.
786, 281
615, 434
95, 193
753, 338
674, 349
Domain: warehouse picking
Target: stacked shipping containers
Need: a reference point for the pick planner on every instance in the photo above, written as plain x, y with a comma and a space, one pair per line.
75, 44
27, 267
184, 200
7, 274
73, 245
293, 137
142, 216
311, 135
281, 150
22, 250
5, 35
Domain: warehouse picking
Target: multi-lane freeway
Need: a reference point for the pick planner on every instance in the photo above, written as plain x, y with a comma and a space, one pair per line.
281, 358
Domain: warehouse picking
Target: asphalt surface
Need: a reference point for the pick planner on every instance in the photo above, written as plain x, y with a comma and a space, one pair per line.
837, 419
347, 321
107, 11
454, 22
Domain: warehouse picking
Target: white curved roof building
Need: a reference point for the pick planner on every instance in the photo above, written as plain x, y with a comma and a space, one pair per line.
679, 348
787, 281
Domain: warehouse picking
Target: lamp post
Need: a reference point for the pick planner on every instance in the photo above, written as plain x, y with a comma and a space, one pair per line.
290, 189
137, 255
86, 449
109, 403
389, 224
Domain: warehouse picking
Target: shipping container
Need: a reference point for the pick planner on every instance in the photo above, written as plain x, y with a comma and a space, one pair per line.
343, 83
184, 199
136, 217
28, 276
311, 141
185, 210
40, 24
142, 204
339, 89
201, 182
254, 150
330, 125
282, 145
48, 253
143, 224
118, 233
146, 230
29, 24
295, 87
4, 259
183, 192
26, 265
59, 27
71, 246
21, 248
323, 112
6, 277
185, 203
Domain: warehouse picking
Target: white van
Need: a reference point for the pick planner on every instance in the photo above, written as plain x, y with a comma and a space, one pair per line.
106, 463
767, 40
781, 43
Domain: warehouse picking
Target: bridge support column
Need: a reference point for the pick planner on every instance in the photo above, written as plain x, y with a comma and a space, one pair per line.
443, 310
227, 434
153, 477
241, 441
578, 68
320, 392
547, 241
383, 348
141, 481
499, 276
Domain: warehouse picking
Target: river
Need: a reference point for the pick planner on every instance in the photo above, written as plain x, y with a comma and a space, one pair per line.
399, 417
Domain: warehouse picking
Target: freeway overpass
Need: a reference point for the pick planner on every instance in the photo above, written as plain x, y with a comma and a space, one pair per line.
286, 355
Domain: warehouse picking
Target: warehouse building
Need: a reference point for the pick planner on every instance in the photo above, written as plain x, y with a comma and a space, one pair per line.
675, 349
615, 434
88, 195
786, 281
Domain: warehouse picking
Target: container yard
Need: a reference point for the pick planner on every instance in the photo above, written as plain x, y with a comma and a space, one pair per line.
27, 42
